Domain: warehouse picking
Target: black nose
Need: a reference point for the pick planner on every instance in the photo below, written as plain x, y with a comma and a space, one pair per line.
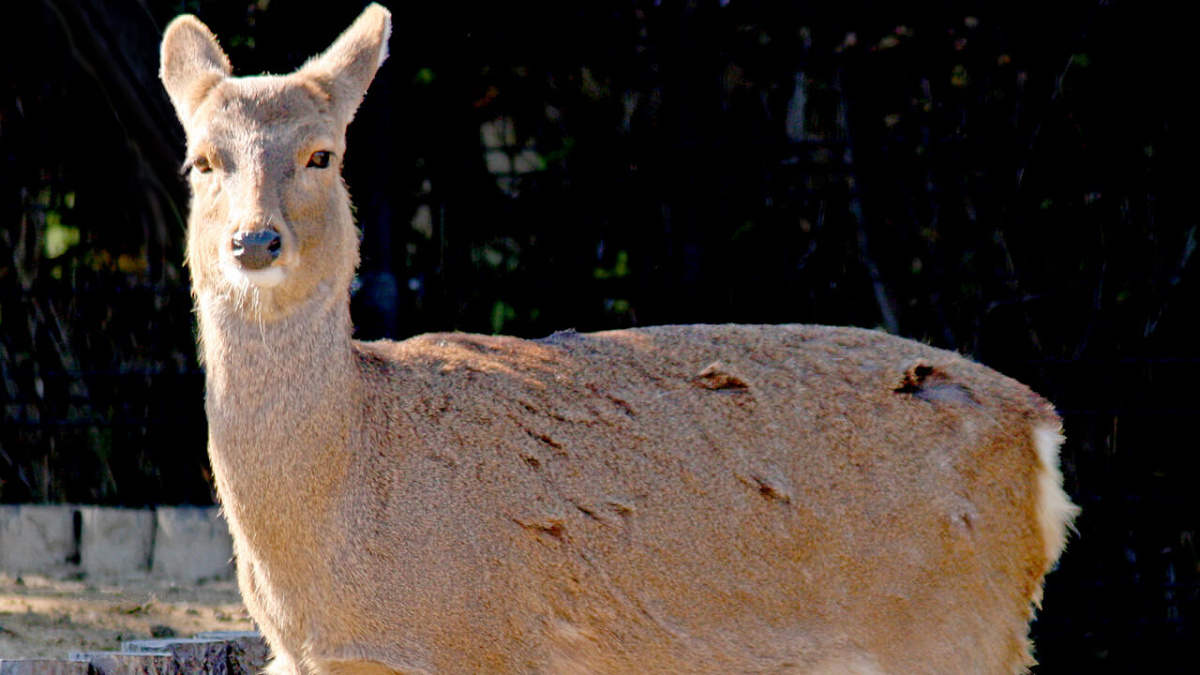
256, 250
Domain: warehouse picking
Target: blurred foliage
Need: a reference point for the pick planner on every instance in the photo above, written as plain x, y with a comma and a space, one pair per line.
987, 177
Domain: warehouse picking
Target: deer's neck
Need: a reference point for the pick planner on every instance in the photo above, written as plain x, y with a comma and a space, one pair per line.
280, 399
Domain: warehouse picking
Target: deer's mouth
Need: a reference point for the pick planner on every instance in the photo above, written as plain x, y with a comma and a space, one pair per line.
263, 278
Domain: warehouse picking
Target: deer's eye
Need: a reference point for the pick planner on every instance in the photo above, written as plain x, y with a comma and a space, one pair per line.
319, 159
199, 163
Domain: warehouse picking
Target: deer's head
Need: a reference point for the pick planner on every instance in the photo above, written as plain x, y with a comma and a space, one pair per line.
270, 224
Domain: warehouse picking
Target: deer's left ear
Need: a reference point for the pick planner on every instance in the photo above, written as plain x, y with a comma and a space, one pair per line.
346, 69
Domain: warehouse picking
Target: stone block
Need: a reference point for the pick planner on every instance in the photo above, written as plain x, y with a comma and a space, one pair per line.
196, 656
115, 542
191, 543
129, 663
37, 538
248, 651
42, 667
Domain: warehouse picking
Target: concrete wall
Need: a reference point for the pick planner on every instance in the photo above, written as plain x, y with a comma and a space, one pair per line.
178, 543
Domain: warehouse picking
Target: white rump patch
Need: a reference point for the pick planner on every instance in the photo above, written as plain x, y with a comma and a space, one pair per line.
1055, 511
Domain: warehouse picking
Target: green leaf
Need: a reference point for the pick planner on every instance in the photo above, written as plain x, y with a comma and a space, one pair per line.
59, 237
502, 313
424, 76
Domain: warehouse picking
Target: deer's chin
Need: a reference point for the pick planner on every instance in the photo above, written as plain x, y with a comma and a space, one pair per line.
265, 278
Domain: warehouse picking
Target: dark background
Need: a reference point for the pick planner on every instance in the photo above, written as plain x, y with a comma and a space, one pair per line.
1002, 179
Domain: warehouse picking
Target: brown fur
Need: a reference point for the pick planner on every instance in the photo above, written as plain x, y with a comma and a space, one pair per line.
689, 499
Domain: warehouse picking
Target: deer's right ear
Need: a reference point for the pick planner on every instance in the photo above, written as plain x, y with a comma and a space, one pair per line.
192, 64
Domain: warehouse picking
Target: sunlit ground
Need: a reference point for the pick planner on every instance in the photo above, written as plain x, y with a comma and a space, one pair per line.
48, 618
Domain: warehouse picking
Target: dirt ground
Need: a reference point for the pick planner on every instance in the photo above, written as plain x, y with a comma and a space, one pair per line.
44, 617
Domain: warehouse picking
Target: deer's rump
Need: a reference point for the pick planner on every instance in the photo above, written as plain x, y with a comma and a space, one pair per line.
661, 494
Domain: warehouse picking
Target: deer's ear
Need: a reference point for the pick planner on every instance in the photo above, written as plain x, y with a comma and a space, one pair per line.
346, 69
192, 64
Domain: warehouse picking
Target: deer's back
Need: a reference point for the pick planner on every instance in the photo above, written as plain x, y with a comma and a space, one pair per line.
698, 495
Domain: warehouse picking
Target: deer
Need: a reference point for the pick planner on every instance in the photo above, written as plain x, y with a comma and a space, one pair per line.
673, 499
